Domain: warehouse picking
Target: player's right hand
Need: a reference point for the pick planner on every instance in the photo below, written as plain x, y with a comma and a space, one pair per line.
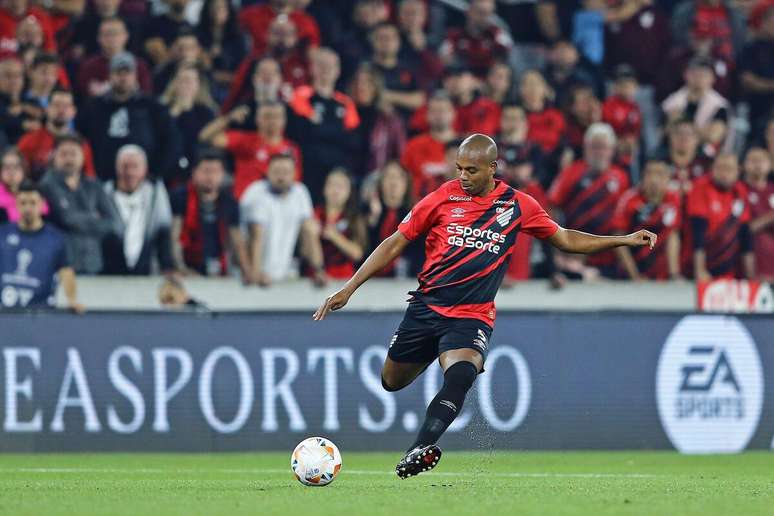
331, 304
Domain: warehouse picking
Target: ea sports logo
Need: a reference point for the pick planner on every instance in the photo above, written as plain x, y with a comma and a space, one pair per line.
709, 385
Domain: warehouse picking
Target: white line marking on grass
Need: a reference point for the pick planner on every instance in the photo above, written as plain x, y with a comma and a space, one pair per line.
345, 471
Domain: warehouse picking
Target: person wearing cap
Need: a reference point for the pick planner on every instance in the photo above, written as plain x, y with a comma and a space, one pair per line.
756, 67
94, 72
621, 111
125, 115
698, 101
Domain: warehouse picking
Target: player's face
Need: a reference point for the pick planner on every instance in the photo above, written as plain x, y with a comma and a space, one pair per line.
725, 171
28, 204
474, 172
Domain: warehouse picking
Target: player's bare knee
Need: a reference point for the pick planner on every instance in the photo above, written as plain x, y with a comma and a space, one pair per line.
390, 388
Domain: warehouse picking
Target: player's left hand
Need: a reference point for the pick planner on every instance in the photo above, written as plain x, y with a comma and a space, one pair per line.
643, 237
331, 304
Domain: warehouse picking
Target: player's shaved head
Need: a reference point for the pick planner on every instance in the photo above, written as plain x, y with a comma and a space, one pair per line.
479, 146
477, 163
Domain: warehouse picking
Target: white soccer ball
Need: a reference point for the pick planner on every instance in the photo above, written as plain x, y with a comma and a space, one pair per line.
316, 461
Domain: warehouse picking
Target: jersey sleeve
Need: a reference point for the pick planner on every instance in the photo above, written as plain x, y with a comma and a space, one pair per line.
420, 218
534, 219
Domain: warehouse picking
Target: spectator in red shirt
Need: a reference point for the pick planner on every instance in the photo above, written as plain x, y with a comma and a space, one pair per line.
621, 111
474, 113
546, 123
757, 175
93, 77
651, 206
256, 20
587, 191
480, 43
719, 223
15, 12
517, 171
683, 155
342, 229
37, 145
424, 155
252, 151
400, 87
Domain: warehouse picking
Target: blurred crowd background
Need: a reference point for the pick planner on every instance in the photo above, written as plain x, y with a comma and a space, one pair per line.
287, 138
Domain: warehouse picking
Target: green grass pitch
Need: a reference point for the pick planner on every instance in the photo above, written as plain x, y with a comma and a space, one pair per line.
556, 483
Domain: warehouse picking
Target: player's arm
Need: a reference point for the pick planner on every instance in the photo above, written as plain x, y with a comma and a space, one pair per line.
573, 241
67, 280
383, 255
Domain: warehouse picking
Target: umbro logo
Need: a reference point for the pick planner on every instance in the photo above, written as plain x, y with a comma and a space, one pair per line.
505, 217
458, 212
480, 340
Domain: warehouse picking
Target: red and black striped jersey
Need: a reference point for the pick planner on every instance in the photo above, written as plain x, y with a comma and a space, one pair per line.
634, 213
469, 244
588, 201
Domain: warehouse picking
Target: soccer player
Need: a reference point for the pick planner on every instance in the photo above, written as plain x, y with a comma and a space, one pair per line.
471, 225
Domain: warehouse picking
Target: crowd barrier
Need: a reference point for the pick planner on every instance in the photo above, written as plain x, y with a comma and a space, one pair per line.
263, 381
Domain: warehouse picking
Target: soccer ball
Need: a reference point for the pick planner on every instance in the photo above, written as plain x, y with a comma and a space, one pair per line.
316, 461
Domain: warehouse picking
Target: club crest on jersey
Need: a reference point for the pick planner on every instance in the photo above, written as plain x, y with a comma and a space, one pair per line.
458, 212
505, 217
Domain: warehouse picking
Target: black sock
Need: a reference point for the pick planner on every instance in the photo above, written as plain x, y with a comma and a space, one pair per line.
457, 380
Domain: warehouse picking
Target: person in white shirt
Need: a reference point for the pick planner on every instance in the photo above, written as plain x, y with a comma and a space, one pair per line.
277, 210
146, 216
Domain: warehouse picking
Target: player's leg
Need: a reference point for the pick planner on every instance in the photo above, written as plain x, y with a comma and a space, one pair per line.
463, 352
397, 375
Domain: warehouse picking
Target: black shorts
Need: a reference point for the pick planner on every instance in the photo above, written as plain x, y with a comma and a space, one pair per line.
424, 334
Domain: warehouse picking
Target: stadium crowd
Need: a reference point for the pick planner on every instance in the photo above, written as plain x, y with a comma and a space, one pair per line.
271, 139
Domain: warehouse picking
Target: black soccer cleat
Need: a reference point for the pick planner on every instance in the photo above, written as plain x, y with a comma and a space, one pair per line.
418, 460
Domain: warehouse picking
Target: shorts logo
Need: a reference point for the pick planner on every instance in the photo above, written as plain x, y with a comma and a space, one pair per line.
448, 404
480, 340
394, 338
709, 385
505, 217
458, 212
